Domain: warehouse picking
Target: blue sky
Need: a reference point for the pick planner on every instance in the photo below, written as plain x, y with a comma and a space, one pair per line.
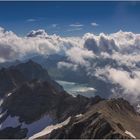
70, 18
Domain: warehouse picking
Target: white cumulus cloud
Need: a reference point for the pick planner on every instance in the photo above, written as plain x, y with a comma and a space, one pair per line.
111, 57
94, 24
76, 25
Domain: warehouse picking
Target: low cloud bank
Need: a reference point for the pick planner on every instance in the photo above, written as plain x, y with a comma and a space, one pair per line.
111, 57
39, 42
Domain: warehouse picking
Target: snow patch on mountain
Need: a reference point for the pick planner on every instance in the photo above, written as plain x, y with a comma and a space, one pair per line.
33, 128
50, 128
10, 122
38, 125
79, 115
130, 134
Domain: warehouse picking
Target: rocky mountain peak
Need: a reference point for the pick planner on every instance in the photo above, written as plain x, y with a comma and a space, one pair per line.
121, 105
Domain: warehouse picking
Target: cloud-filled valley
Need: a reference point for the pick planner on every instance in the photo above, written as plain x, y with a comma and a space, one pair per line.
113, 58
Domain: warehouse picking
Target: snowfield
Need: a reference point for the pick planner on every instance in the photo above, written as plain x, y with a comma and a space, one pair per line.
130, 134
49, 129
33, 128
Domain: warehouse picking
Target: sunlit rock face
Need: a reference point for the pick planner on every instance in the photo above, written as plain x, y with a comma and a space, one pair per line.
108, 119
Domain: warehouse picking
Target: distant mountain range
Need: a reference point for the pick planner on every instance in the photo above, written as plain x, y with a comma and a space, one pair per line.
104, 88
78, 76
14, 76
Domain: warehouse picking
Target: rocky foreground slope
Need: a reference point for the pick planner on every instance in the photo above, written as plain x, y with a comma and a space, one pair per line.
108, 119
